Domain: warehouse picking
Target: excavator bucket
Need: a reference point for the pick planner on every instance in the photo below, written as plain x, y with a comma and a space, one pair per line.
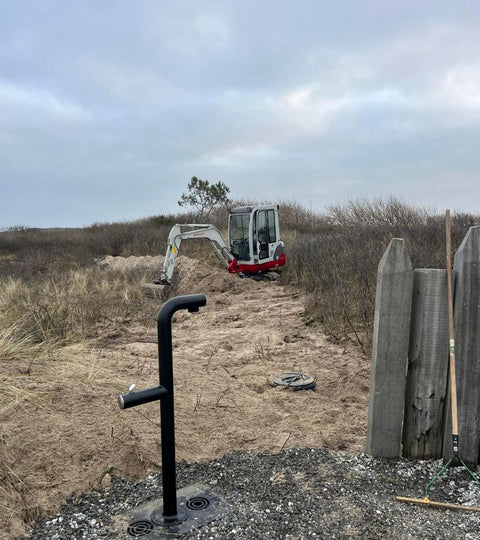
154, 290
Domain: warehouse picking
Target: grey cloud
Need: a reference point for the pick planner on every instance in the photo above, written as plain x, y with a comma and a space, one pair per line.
108, 110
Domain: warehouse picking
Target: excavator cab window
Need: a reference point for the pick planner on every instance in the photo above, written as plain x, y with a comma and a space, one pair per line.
239, 233
266, 232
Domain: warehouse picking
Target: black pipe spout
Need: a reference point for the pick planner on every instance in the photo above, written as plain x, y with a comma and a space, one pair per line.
165, 366
132, 399
164, 393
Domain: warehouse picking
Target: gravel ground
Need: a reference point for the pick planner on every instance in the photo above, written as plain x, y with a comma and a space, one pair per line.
296, 494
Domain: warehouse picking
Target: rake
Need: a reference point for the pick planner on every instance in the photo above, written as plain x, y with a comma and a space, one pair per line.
455, 460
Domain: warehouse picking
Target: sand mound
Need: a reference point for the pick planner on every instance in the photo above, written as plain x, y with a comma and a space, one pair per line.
193, 276
125, 264
190, 276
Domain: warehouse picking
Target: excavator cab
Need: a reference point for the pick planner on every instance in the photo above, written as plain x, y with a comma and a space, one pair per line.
254, 239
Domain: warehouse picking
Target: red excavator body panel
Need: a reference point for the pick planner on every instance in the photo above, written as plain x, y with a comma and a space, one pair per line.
235, 267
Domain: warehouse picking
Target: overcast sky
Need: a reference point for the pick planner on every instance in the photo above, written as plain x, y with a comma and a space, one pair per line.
108, 108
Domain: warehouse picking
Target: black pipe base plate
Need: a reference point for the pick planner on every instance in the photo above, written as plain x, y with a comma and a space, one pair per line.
196, 506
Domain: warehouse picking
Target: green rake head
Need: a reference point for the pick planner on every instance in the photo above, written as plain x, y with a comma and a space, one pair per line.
455, 460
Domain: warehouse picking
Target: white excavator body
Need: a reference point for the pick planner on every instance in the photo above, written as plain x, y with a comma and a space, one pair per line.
254, 246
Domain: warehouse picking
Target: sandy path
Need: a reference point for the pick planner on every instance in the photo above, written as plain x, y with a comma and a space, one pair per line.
63, 430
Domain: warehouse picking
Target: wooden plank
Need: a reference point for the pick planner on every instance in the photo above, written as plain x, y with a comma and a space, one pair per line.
467, 347
426, 386
389, 351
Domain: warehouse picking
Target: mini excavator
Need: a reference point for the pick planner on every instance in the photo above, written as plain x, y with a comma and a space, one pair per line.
254, 247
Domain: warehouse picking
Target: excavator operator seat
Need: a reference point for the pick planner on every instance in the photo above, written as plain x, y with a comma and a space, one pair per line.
254, 236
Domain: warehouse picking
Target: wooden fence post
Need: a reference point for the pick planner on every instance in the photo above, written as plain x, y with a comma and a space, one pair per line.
467, 348
427, 366
389, 351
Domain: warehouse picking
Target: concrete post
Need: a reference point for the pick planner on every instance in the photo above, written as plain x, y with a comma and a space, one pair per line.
389, 351
427, 366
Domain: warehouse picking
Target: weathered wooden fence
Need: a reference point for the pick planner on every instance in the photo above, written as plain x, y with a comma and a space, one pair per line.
409, 410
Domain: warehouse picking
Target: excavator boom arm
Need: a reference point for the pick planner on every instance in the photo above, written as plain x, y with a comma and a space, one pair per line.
181, 232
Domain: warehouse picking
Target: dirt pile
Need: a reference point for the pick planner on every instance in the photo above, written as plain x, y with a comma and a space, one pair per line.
125, 264
61, 429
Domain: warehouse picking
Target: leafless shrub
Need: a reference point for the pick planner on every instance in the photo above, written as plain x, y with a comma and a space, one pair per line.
337, 264
380, 212
295, 217
37, 250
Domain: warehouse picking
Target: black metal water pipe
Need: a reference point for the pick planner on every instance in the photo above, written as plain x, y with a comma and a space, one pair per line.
165, 365
164, 393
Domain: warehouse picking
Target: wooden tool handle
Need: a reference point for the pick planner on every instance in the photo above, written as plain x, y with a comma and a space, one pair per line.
451, 332
448, 231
